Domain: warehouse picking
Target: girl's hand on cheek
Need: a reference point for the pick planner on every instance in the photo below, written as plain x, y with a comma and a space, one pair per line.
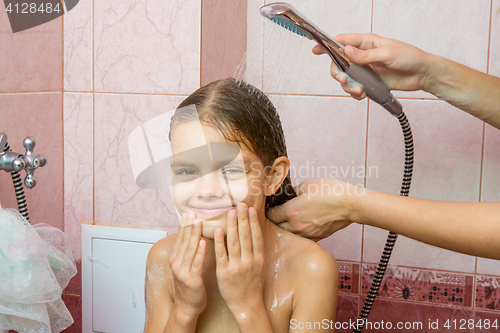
186, 263
240, 270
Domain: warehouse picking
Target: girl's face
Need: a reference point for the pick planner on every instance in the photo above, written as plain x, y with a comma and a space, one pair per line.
212, 175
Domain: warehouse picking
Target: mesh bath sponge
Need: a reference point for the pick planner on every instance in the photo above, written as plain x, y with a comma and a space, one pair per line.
36, 264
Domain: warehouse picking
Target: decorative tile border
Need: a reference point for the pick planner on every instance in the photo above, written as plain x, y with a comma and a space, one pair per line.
347, 313
488, 292
421, 285
402, 317
349, 277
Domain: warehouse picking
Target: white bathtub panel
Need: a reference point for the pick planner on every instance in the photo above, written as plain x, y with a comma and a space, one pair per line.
113, 273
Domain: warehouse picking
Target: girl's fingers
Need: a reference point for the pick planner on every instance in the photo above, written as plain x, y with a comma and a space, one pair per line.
186, 235
244, 232
199, 258
220, 250
257, 238
179, 236
233, 242
193, 242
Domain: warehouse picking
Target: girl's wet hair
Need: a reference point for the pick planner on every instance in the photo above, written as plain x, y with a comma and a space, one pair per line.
243, 114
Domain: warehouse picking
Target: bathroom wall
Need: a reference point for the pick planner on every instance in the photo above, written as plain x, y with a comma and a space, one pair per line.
456, 155
80, 84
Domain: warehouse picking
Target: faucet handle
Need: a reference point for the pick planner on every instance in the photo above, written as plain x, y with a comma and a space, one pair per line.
32, 161
3, 142
10, 161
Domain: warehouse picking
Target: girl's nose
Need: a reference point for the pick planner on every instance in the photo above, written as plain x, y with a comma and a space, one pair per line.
210, 186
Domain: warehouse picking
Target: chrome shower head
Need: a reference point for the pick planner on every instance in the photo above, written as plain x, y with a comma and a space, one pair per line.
288, 17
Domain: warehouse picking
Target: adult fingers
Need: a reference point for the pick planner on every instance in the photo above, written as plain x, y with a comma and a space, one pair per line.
277, 214
350, 86
365, 57
318, 49
363, 41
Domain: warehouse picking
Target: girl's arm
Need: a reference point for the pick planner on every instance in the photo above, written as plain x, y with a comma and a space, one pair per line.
241, 270
175, 291
158, 286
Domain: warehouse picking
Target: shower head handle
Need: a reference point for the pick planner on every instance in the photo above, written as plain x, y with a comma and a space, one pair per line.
285, 15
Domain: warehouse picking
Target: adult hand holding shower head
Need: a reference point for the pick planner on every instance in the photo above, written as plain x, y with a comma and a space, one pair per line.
285, 15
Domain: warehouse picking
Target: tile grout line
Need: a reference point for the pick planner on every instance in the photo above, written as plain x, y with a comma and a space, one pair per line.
474, 282
360, 278
62, 130
201, 43
93, 112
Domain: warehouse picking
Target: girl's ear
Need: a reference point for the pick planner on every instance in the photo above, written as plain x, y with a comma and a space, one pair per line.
277, 174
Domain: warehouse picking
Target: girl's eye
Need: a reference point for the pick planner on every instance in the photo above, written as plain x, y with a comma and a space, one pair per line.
186, 173
233, 172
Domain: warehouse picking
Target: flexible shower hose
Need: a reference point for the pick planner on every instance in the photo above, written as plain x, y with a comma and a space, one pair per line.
391, 239
19, 189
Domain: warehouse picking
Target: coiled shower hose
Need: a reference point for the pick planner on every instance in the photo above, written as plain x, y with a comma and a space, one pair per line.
19, 189
391, 239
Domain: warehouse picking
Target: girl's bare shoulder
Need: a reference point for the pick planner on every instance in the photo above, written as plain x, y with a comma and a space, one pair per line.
310, 257
160, 251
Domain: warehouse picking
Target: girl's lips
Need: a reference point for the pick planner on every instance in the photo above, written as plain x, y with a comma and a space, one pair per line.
210, 212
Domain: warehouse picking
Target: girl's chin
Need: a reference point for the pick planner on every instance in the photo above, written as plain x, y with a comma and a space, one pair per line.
210, 226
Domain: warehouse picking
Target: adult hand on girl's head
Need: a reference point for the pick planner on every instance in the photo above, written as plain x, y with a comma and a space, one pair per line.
240, 270
322, 207
186, 263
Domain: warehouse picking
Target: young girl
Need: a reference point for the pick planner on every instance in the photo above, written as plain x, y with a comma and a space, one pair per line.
229, 268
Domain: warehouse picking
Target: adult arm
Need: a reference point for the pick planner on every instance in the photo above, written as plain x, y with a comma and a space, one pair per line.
467, 227
406, 67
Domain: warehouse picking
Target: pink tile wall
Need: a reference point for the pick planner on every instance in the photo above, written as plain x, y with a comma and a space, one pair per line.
78, 47
31, 60
78, 165
457, 32
118, 200
38, 115
147, 47
223, 42
495, 39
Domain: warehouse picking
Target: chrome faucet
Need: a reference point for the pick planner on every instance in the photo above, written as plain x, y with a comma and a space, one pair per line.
11, 161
